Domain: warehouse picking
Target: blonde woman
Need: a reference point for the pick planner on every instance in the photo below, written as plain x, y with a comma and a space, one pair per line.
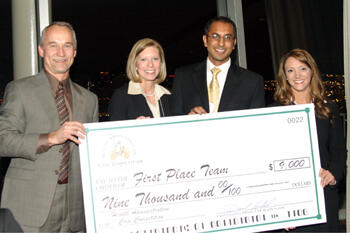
299, 82
142, 97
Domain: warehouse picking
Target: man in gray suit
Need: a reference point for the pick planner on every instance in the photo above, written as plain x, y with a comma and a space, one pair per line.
34, 135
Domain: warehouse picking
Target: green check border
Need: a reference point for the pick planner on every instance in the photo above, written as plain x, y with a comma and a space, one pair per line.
306, 110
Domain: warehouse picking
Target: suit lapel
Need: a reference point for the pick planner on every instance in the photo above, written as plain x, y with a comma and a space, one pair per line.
77, 102
77, 111
230, 86
200, 81
43, 90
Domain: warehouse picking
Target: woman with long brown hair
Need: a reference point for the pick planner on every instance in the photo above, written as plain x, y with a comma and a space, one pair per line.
299, 82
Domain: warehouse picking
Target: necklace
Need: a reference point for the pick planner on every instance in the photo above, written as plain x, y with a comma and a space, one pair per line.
148, 95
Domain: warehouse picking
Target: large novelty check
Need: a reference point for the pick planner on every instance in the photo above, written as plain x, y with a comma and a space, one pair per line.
243, 171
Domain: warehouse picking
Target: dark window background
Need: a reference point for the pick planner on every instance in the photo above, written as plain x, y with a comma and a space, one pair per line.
106, 30
258, 50
6, 64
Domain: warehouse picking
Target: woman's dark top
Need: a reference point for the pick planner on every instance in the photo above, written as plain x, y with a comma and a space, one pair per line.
124, 106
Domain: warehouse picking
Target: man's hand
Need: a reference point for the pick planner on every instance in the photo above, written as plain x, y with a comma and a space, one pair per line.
197, 110
70, 130
142, 117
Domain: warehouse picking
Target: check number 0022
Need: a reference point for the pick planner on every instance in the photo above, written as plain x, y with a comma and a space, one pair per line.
295, 120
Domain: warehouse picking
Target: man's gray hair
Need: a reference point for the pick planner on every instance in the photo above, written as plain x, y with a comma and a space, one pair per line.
63, 24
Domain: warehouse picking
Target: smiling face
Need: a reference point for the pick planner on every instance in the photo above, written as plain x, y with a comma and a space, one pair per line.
148, 64
220, 42
57, 51
298, 76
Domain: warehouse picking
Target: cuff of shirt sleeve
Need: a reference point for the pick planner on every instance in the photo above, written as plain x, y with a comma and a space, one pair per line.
43, 143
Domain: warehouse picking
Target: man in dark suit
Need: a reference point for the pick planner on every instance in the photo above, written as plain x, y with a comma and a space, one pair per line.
196, 91
40, 127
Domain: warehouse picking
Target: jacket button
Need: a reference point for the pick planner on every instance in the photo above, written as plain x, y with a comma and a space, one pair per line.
60, 150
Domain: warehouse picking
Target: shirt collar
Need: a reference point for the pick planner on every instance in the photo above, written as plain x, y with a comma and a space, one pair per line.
222, 67
135, 89
54, 82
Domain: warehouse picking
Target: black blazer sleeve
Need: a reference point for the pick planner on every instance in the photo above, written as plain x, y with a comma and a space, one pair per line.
258, 98
117, 107
336, 160
176, 102
189, 89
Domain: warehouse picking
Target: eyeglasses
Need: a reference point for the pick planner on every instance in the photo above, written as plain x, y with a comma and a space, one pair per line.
217, 37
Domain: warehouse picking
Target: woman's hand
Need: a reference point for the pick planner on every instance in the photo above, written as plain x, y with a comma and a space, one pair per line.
289, 228
327, 178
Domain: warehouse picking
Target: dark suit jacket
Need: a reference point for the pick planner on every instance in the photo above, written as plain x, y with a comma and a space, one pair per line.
28, 110
243, 89
128, 107
7, 222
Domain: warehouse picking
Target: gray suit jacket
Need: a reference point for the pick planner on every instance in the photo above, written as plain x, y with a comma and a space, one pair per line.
28, 110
